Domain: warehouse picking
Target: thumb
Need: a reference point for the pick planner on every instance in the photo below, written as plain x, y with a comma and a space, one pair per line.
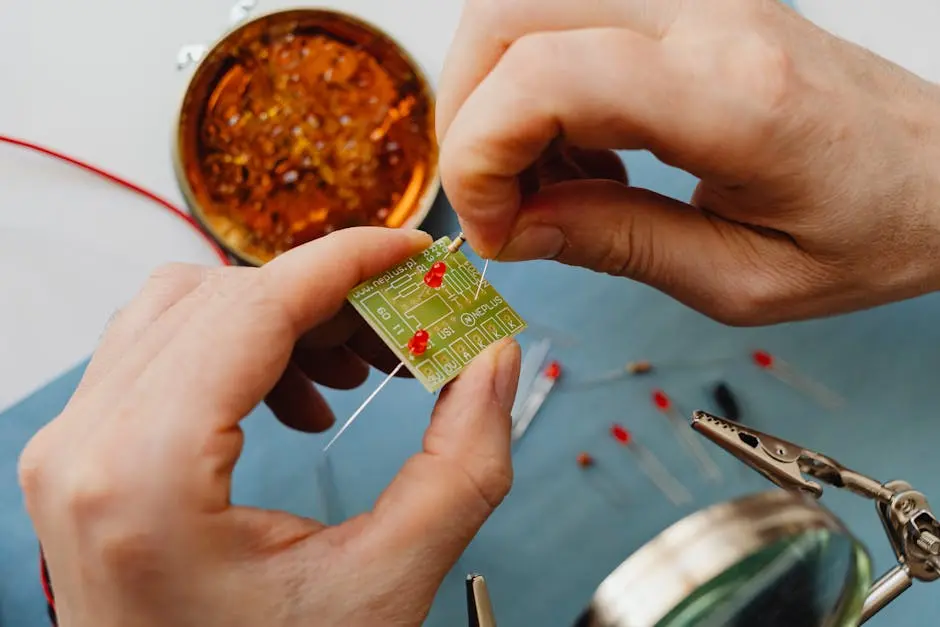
721, 268
443, 495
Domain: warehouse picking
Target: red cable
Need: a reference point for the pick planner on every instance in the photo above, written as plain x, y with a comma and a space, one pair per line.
166, 204
46, 588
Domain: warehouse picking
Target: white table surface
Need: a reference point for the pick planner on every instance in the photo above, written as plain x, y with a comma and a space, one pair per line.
97, 79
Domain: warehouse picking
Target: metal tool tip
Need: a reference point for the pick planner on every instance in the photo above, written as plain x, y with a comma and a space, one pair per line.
701, 418
479, 607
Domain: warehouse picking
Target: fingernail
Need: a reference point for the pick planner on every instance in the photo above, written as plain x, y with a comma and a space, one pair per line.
419, 239
538, 241
507, 374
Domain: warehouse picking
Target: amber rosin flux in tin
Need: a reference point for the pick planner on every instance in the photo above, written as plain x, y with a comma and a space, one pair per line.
460, 325
301, 122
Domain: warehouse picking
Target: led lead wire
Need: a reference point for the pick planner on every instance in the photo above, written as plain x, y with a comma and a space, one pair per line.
532, 364
652, 467
362, 407
685, 435
645, 367
486, 265
785, 373
535, 399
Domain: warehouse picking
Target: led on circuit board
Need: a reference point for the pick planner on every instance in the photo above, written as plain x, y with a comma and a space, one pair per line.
461, 315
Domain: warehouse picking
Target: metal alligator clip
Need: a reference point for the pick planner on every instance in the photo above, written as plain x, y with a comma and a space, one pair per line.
911, 527
784, 463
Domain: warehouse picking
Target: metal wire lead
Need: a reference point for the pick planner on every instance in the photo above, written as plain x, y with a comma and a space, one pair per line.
486, 264
365, 404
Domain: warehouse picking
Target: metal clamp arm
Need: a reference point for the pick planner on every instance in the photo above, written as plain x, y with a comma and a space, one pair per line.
784, 463
911, 527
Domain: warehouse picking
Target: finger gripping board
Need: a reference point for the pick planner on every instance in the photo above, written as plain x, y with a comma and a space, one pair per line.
397, 303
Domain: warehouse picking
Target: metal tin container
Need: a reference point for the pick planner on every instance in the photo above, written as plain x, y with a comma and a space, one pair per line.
388, 177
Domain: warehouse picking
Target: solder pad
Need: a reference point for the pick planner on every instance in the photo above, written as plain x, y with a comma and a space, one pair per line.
397, 303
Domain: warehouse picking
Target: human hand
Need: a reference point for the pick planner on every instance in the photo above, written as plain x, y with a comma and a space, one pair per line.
129, 487
819, 189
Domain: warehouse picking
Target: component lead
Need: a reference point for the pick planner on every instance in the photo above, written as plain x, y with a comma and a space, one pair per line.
362, 407
486, 265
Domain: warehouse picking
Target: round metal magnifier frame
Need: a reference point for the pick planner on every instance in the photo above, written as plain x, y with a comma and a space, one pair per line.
688, 557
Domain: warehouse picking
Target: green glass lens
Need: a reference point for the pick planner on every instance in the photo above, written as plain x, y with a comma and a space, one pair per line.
818, 578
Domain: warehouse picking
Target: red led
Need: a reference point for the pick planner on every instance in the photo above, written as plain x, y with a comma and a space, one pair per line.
418, 343
620, 434
661, 401
585, 460
435, 276
763, 359
553, 371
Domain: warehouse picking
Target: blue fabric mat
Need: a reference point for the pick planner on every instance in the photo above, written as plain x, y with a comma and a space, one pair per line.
559, 534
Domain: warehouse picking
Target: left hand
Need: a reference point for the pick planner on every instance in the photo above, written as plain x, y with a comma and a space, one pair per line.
129, 487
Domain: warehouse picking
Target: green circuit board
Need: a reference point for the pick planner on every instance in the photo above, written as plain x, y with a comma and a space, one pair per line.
460, 324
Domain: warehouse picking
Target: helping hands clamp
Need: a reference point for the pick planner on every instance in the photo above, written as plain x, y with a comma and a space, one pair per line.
911, 527
905, 514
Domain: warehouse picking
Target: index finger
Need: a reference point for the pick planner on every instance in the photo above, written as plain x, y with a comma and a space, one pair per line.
538, 92
488, 27
232, 351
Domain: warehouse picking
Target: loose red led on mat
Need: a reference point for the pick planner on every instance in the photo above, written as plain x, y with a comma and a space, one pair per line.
418, 343
763, 359
553, 371
620, 434
785, 373
664, 404
585, 460
661, 401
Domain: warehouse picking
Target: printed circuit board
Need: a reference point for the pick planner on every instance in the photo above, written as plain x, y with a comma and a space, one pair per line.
459, 323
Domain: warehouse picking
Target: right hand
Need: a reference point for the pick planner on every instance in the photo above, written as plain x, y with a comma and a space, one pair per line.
818, 161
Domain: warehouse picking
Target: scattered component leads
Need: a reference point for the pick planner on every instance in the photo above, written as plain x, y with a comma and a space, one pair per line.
685, 436
532, 362
785, 373
652, 467
536, 398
